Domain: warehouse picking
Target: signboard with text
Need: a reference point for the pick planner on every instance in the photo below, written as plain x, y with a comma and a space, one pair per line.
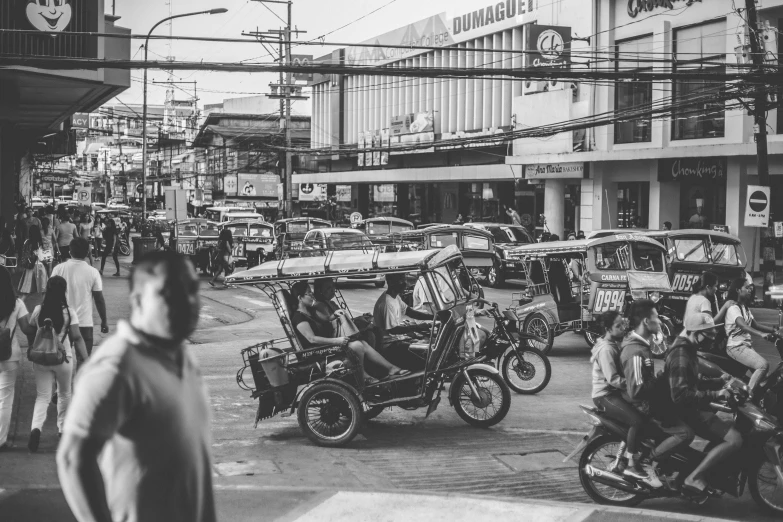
312, 191
548, 46
679, 169
757, 206
555, 171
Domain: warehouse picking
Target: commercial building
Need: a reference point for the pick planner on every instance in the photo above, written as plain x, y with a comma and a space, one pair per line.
36, 105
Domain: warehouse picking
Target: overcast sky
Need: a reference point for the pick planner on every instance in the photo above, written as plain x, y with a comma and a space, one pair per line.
317, 17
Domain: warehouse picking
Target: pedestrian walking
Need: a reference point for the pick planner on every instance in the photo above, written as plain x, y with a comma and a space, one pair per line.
66, 232
65, 328
84, 286
49, 244
85, 231
223, 261
31, 219
13, 320
136, 440
34, 274
111, 238
97, 234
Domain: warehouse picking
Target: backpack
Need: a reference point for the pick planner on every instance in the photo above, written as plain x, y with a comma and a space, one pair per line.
28, 257
48, 348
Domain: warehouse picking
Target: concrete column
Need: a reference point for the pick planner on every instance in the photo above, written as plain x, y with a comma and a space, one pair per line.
587, 199
554, 205
664, 201
7, 174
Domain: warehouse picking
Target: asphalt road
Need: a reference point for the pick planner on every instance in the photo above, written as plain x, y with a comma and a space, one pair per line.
401, 449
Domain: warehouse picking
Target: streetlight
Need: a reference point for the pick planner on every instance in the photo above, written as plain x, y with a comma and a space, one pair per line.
219, 10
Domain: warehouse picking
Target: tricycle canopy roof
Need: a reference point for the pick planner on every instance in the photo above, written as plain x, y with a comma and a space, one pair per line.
301, 219
246, 221
579, 246
691, 232
383, 219
341, 263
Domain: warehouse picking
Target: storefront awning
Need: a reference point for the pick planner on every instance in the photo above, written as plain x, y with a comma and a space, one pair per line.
416, 175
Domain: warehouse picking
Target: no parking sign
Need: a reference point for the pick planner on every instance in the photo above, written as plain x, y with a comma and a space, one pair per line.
757, 206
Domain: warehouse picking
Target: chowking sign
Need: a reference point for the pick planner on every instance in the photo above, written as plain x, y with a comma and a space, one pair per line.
708, 169
51, 16
637, 6
548, 46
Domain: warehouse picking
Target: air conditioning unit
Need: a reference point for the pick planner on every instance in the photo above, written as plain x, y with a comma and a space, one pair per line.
534, 86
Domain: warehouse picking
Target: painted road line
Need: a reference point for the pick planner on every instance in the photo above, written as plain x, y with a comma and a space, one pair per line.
404, 507
257, 302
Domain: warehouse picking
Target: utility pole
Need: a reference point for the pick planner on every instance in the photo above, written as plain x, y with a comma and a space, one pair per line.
122, 163
757, 55
286, 91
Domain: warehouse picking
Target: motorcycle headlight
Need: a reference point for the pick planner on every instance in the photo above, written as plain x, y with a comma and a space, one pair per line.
655, 297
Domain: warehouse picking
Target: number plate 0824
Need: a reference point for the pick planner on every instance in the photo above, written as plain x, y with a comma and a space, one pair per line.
609, 300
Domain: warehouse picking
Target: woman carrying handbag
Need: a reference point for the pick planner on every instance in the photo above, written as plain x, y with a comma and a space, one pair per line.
34, 277
56, 322
13, 319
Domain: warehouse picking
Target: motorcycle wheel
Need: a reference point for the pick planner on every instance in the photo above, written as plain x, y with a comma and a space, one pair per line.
764, 487
601, 453
490, 408
329, 414
125, 249
528, 375
536, 324
590, 337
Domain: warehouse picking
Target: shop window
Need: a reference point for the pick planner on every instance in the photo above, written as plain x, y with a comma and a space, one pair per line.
633, 203
699, 49
475, 243
612, 256
634, 95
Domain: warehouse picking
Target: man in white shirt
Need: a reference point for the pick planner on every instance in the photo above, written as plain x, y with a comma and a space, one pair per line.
84, 286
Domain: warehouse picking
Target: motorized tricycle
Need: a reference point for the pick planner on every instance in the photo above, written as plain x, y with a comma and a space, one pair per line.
321, 385
571, 283
254, 240
291, 232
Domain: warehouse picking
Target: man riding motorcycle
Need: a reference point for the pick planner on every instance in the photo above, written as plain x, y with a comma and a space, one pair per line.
689, 391
639, 370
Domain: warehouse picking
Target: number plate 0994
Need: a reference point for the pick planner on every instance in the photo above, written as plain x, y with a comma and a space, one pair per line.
609, 300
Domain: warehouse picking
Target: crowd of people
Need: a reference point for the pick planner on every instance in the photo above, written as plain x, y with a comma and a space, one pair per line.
669, 406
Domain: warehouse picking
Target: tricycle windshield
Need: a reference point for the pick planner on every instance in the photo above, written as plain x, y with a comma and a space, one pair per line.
613, 256
442, 240
380, 228
725, 253
298, 228
237, 230
509, 235
691, 250
209, 231
260, 231
187, 230
648, 258
347, 240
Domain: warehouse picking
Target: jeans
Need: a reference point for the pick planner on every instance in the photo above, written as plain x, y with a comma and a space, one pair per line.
617, 408
7, 386
87, 335
111, 250
45, 376
746, 355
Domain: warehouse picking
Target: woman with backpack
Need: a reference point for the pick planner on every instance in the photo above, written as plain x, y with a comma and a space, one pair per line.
13, 319
34, 277
56, 322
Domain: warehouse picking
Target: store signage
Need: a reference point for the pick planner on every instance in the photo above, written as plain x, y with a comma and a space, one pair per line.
757, 206
637, 6
80, 120
312, 191
440, 31
708, 169
343, 193
384, 193
721, 228
302, 60
257, 185
52, 16
548, 45
555, 171
412, 123
54, 178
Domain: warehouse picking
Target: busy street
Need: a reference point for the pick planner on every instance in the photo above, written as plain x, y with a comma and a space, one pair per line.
388, 260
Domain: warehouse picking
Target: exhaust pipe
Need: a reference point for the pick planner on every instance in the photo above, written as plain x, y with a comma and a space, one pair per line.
612, 479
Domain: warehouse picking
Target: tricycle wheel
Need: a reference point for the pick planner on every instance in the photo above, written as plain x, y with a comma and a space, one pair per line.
329, 414
529, 374
537, 325
493, 401
590, 337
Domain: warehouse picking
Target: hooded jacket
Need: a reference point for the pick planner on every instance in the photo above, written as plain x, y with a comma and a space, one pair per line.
607, 373
639, 370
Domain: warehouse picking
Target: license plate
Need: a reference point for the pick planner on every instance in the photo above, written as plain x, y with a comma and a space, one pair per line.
684, 282
187, 249
609, 300
239, 250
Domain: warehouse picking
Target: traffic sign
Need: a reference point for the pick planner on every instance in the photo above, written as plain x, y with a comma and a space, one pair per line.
757, 206
356, 217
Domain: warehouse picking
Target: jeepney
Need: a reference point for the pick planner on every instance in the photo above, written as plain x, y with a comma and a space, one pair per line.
254, 240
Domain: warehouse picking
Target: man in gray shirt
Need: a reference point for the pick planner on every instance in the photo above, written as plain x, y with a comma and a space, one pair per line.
136, 441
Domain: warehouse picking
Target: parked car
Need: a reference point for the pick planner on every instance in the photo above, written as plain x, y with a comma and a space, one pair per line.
322, 241
477, 246
505, 238
291, 232
254, 240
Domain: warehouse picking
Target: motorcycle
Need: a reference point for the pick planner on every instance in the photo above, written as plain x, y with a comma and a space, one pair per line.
758, 464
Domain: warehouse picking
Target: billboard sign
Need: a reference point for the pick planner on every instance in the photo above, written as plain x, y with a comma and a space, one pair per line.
412, 129
312, 191
257, 185
302, 60
548, 46
441, 30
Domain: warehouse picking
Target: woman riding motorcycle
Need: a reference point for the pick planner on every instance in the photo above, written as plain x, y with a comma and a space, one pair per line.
740, 326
